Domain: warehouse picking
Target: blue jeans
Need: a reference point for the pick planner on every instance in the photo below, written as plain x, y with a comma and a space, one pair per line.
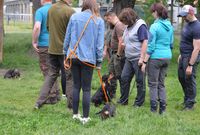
188, 83
82, 78
130, 69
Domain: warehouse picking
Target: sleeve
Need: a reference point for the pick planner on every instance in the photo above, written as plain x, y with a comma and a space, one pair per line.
38, 16
67, 38
152, 40
100, 43
142, 33
196, 32
120, 30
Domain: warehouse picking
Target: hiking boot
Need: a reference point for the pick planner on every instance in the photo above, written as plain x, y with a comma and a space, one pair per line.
85, 120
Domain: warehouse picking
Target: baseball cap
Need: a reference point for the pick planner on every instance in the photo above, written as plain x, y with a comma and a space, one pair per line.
186, 10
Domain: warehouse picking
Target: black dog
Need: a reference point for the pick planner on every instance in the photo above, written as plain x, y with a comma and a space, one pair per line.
107, 111
110, 86
12, 73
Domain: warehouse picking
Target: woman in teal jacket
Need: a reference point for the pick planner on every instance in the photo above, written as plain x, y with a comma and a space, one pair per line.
158, 56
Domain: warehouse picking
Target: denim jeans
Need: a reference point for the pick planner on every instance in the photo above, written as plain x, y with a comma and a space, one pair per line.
157, 69
130, 69
188, 83
82, 78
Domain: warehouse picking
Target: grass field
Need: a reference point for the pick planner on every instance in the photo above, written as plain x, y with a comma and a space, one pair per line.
18, 96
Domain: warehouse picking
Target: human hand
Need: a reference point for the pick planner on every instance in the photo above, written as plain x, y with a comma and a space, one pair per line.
143, 68
35, 46
66, 64
188, 70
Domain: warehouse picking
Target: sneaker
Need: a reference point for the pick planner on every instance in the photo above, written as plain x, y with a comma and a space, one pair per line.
85, 120
63, 95
77, 117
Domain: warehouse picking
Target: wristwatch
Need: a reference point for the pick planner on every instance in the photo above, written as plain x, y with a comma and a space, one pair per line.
144, 62
190, 65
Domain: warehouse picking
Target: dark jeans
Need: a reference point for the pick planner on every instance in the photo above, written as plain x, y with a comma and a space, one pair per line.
157, 70
188, 83
55, 65
82, 78
130, 69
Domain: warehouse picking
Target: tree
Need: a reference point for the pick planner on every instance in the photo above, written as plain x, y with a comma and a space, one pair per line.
118, 5
1, 30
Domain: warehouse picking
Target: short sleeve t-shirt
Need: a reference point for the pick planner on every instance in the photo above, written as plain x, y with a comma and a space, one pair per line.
41, 16
117, 32
190, 31
142, 33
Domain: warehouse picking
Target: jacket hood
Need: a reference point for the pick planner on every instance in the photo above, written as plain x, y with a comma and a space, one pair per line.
165, 23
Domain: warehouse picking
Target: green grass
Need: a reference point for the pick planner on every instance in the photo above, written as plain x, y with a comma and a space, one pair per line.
18, 96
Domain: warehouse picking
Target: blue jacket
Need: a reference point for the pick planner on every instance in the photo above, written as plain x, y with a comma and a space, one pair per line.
90, 48
161, 40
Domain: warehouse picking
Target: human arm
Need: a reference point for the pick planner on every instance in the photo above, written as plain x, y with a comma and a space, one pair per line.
195, 53
35, 35
143, 38
143, 68
100, 43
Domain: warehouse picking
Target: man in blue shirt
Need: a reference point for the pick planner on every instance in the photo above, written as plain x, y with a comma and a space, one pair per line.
189, 55
40, 42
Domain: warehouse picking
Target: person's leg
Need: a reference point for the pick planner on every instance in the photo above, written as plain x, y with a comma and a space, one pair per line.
63, 80
182, 77
44, 66
141, 87
126, 77
111, 70
86, 79
161, 85
50, 79
191, 85
153, 73
76, 74
43, 60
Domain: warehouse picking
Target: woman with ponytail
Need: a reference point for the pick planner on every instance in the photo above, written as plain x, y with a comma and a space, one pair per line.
158, 56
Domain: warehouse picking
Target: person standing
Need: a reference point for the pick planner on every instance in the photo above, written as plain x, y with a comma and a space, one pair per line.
158, 56
189, 56
57, 20
89, 51
40, 42
135, 39
117, 59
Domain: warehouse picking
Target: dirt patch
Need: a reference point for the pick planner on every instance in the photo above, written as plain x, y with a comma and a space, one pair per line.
3, 71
